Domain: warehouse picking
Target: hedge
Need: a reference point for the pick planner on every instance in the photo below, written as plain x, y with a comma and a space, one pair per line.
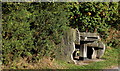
34, 29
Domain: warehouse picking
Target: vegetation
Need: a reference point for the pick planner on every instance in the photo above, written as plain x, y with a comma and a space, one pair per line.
29, 29
33, 30
110, 59
94, 17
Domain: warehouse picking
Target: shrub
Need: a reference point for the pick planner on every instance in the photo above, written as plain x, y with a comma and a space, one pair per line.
94, 16
17, 36
31, 29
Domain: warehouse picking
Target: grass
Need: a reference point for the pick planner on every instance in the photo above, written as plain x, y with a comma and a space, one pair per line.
110, 56
110, 59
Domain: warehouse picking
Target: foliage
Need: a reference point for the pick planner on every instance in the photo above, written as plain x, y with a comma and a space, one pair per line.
17, 36
114, 43
31, 29
94, 16
48, 25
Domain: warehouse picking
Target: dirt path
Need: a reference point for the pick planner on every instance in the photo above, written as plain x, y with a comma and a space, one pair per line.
87, 62
114, 67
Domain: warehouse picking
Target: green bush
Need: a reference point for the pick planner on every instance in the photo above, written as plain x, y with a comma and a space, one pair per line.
94, 16
32, 29
48, 26
17, 36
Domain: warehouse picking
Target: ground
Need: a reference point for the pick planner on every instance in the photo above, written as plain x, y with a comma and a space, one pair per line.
109, 60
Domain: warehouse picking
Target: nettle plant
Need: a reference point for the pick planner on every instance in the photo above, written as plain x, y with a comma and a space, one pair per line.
94, 16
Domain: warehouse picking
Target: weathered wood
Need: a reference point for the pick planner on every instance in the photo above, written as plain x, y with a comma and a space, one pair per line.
93, 45
88, 40
91, 40
84, 41
87, 34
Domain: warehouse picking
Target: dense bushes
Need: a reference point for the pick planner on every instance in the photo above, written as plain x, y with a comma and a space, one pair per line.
34, 29
94, 16
48, 26
17, 36
31, 29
